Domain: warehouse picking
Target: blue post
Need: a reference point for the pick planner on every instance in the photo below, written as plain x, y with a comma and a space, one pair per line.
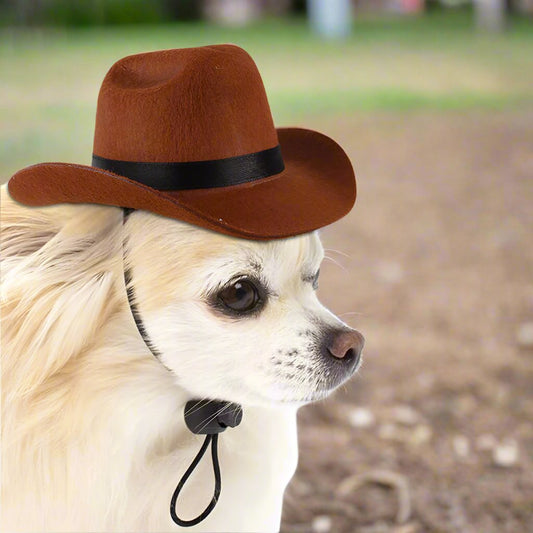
331, 19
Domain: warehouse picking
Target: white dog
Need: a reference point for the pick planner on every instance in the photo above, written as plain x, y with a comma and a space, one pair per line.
94, 437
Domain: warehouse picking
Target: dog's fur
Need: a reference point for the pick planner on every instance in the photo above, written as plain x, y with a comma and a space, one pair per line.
93, 437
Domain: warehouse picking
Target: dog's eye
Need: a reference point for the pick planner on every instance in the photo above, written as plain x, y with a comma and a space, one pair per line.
240, 296
315, 280
312, 279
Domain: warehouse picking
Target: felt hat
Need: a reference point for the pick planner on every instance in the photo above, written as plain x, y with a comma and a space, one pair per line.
188, 134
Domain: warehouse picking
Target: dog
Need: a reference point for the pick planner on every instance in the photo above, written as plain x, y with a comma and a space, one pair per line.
93, 432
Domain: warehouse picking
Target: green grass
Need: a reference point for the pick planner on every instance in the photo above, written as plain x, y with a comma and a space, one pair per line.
50, 77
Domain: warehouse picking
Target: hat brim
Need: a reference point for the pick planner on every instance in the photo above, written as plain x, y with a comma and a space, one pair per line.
316, 188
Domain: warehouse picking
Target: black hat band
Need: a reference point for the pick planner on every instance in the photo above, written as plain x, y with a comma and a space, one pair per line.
198, 174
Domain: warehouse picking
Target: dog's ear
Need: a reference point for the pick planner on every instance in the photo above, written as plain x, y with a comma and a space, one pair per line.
58, 267
23, 230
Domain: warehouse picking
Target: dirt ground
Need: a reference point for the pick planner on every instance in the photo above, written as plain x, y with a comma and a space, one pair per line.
435, 267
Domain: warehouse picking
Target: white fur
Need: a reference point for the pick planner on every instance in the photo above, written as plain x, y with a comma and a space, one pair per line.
93, 433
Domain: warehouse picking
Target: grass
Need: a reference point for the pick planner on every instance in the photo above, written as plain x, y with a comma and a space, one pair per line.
50, 77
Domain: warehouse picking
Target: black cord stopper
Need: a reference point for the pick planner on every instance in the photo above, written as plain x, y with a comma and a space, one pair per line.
209, 418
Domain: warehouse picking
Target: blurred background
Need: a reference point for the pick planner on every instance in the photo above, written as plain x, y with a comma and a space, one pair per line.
433, 101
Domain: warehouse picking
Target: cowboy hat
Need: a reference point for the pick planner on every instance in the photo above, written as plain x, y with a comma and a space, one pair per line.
188, 134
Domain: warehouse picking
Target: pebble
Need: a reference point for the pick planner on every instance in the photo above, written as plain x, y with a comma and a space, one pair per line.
524, 335
361, 417
412, 527
405, 414
461, 446
321, 524
390, 272
421, 434
505, 454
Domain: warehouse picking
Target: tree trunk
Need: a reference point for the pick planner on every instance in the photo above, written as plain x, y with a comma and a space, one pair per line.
490, 15
330, 19
232, 12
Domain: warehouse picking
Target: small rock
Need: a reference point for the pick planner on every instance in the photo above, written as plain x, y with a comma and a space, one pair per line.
505, 454
486, 442
301, 487
411, 527
361, 417
421, 434
461, 446
405, 414
389, 272
524, 335
321, 524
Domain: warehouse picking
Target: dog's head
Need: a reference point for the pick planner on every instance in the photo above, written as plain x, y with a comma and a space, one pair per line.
237, 319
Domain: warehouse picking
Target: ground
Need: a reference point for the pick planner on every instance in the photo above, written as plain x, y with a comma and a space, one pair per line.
434, 265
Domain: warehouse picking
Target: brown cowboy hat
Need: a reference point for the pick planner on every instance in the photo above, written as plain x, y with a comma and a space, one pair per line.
188, 134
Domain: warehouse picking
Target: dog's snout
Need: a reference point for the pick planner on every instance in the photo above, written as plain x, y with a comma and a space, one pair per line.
345, 344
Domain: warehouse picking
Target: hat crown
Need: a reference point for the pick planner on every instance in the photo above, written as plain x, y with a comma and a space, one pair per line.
192, 104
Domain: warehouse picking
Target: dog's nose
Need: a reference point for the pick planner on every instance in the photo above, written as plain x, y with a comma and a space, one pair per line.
345, 344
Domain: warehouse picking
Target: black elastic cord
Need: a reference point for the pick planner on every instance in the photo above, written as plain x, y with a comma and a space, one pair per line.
213, 439
131, 297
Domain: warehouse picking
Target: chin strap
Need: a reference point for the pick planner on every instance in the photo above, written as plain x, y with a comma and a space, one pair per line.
202, 417
131, 296
213, 439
